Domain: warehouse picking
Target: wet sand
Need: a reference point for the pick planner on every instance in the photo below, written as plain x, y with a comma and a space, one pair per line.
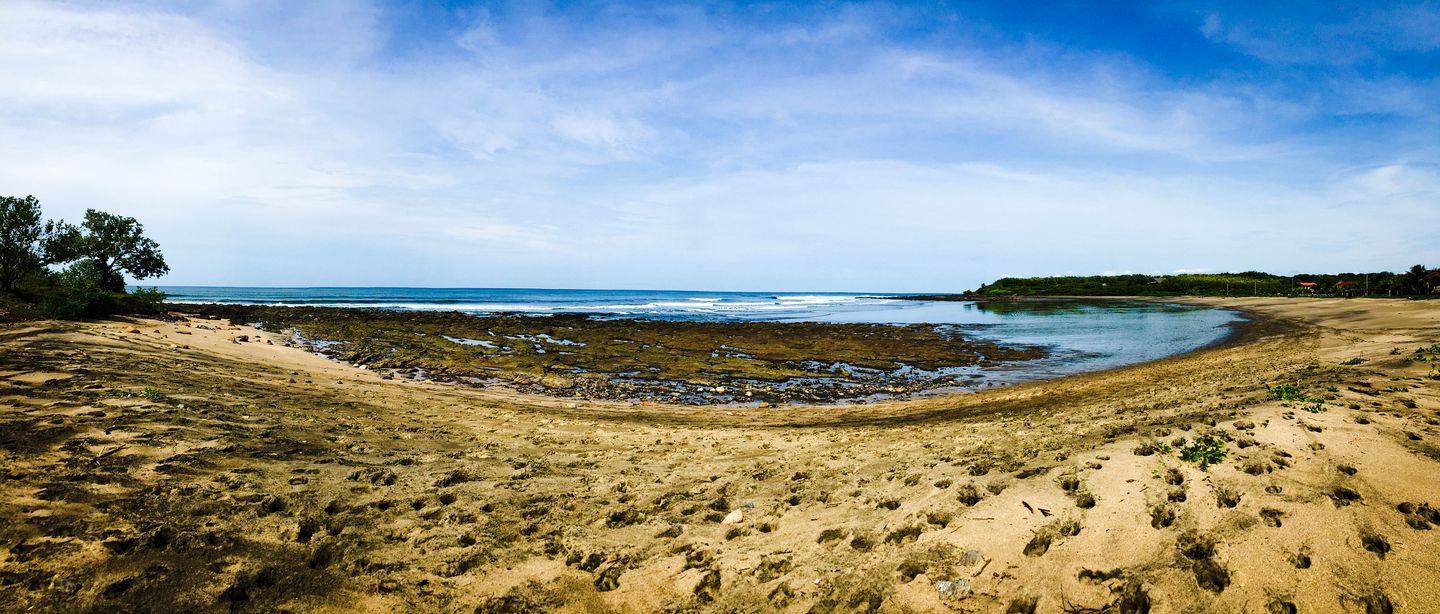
256, 477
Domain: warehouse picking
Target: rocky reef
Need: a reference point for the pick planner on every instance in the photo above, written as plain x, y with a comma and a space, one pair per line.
642, 360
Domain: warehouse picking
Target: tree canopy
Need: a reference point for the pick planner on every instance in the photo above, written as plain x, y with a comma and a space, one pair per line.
21, 251
114, 245
1417, 281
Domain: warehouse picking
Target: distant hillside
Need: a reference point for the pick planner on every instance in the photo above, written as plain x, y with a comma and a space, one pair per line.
1417, 281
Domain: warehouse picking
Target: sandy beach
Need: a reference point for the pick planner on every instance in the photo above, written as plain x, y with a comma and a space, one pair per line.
149, 465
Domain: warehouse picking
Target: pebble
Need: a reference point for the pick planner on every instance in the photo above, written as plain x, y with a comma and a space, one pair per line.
735, 517
948, 588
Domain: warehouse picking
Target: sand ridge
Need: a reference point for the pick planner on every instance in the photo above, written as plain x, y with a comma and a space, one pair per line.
251, 476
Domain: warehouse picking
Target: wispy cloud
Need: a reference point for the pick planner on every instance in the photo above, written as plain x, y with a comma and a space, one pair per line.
1328, 35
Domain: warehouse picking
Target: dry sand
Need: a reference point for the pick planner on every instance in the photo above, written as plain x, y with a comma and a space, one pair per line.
264, 478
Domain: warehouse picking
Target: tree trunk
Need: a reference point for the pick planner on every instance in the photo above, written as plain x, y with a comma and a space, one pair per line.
107, 275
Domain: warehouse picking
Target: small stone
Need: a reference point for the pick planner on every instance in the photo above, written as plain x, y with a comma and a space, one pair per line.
64, 585
1244, 425
735, 517
956, 588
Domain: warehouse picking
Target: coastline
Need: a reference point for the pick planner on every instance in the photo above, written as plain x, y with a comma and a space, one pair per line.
731, 363
222, 489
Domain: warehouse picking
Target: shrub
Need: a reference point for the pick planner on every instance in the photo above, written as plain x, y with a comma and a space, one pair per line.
79, 295
149, 393
1286, 392
149, 300
1205, 450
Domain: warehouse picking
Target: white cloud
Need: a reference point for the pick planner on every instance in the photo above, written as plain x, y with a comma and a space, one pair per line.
536, 237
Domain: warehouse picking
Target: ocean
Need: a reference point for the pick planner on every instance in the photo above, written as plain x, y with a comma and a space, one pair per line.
1081, 335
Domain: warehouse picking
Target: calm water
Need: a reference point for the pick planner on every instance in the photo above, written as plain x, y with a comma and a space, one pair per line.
1081, 335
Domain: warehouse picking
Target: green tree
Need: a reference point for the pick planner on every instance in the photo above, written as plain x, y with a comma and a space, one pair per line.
114, 245
21, 251
1415, 280
78, 294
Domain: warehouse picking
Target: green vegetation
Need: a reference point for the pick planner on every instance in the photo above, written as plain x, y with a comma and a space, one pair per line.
96, 256
1287, 392
1418, 281
1205, 450
149, 393
1425, 354
1354, 361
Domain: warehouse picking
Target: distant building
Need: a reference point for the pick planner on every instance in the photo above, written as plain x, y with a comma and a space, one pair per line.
1308, 286
1347, 287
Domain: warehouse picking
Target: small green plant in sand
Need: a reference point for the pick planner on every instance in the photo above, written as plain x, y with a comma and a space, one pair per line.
1205, 451
1162, 447
1398, 389
1314, 406
1285, 392
1353, 361
1426, 354
149, 393
1289, 392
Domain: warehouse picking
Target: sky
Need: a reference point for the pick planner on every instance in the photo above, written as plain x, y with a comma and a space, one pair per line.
923, 147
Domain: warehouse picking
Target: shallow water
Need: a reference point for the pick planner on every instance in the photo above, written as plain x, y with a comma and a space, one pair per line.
1081, 335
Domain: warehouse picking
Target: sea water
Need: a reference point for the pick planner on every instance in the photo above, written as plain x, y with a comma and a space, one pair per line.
1081, 335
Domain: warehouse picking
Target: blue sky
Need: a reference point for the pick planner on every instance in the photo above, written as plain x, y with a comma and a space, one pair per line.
783, 146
